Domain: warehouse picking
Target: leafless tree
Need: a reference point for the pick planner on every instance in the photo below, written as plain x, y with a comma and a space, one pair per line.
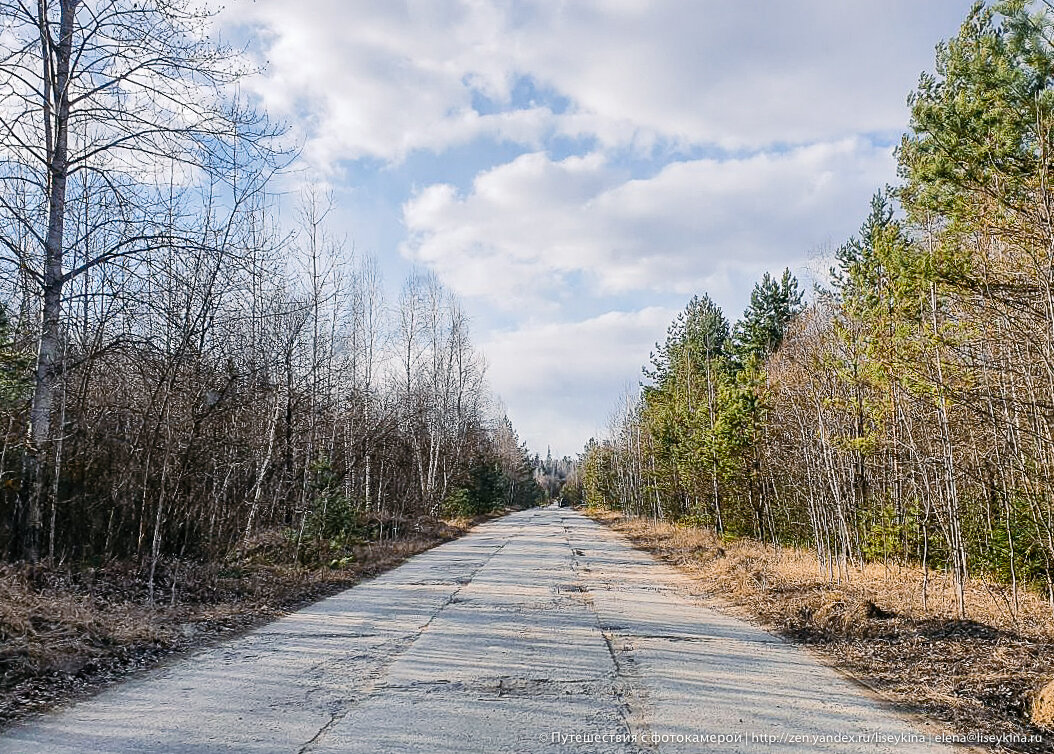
106, 98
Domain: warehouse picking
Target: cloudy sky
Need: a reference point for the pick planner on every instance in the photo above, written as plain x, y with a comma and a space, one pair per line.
576, 169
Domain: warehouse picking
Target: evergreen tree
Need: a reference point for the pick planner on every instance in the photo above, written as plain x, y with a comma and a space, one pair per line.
698, 335
773, 304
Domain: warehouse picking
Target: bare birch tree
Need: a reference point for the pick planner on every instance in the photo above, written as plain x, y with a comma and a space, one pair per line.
120, 91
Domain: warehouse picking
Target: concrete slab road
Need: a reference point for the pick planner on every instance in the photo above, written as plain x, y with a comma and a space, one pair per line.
538, 632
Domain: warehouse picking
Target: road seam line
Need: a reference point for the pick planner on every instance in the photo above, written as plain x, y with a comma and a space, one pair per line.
409, 639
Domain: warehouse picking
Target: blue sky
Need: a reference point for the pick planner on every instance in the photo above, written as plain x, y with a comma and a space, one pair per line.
576, 170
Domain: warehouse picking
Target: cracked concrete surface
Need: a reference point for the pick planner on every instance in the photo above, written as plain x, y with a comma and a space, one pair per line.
532, 630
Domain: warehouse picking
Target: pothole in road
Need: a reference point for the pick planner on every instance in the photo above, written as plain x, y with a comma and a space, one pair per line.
495, 689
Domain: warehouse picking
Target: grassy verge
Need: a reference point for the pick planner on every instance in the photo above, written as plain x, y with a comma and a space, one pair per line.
65, 631
978, 676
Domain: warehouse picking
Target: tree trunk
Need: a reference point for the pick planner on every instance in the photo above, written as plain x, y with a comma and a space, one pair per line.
49, 350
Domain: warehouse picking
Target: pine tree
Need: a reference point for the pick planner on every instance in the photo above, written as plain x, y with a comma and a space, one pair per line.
773, 304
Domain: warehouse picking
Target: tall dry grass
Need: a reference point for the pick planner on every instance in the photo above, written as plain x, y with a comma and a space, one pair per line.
985, 674
747, 571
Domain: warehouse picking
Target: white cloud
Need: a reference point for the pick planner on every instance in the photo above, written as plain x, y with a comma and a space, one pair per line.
559, 379
790, 97
531, 229
738, 74
369, 79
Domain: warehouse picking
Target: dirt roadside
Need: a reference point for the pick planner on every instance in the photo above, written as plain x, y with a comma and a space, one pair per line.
977, 676
68, 632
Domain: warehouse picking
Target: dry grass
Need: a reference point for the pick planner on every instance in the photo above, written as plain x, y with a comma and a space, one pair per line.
1043, 707
980, 675
65, 631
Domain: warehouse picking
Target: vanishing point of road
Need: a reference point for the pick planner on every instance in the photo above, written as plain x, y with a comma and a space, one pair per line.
538, 632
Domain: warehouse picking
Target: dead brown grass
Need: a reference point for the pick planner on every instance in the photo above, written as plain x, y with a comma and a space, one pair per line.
65, 631
980, 675
1043, 707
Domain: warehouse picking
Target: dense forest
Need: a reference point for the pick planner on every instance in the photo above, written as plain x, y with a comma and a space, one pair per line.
906, 413
181, 366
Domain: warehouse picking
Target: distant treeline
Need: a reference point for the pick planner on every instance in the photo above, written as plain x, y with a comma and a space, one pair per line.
907, 413
179, 370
